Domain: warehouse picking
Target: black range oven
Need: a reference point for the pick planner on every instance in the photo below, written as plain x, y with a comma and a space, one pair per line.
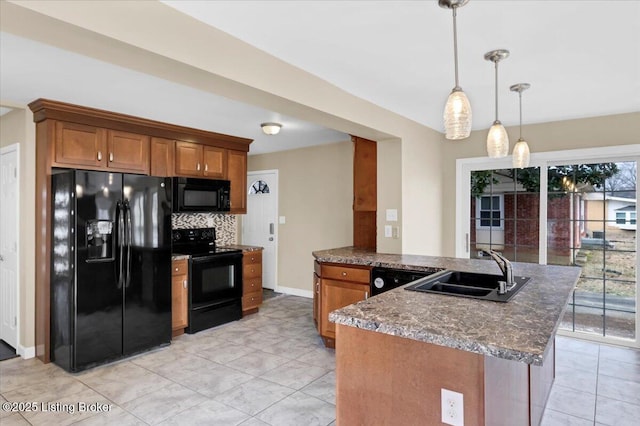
215, 278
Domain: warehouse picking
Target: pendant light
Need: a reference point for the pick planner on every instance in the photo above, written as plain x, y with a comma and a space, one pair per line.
457, 111
521, 149
497, 139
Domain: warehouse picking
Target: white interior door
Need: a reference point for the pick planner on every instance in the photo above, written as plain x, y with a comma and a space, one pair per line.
260, 224
9, 245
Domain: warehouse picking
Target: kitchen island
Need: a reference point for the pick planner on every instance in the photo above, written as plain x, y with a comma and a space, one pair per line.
396, 351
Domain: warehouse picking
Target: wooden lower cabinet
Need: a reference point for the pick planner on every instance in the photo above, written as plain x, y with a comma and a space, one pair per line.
251, 282
338, 286
179, 296
385, 379
316, 300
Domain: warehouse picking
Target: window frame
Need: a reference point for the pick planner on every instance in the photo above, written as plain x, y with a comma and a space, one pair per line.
479, 209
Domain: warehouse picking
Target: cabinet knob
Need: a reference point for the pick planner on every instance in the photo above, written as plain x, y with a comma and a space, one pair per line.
344, 274
206, 167
253, 258
99, 156
184, 283
176, 269
111, 156
198, 167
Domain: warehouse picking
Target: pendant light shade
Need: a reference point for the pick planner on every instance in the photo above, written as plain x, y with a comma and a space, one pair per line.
497, 139
457, 116
457, 111
521, 150
521, 154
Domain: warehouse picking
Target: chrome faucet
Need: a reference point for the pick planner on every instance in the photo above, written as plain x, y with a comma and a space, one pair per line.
507, 271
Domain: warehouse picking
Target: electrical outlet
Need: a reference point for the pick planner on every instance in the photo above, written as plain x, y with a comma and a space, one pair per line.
452, 408
392, 215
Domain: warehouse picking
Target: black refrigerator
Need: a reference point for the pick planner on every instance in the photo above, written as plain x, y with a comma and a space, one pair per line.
110, 266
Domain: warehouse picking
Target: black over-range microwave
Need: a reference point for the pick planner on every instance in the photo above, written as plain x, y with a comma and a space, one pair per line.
200, 195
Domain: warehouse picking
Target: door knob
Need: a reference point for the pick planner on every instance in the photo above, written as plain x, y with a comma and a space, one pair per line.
270, 238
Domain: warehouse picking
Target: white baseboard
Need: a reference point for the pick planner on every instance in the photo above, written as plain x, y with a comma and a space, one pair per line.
25, 352
295, 291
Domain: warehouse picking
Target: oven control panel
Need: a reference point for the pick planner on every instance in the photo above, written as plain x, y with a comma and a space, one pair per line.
202, 235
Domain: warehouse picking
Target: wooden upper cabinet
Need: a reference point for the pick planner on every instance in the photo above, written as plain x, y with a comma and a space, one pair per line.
188, 159
79, 145
88, 147
128, 152
215, 162
162, 157
237, 174
365, 163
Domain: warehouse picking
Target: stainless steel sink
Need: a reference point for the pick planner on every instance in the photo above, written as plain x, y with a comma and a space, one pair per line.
468, 284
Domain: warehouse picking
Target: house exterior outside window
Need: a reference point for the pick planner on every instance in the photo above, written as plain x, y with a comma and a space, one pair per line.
490, 212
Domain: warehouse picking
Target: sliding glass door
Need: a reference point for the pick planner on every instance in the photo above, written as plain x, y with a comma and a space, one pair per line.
585, 227
580, 213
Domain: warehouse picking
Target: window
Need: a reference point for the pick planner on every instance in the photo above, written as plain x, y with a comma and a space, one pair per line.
621, 218
633, 217
490, 211
259, 187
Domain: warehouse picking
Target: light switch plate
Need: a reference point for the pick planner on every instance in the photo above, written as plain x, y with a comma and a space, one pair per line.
392, 215
282, 220
387, 231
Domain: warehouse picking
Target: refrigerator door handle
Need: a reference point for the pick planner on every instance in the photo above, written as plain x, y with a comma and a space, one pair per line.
127, 210
120, 220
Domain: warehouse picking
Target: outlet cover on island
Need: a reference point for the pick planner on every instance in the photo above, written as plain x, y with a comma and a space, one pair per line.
387, 231
392, 215
452, 408
282, 220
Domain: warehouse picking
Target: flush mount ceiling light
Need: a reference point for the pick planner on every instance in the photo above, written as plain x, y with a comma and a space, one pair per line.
457, 111
497, 139
521, 149
271, 128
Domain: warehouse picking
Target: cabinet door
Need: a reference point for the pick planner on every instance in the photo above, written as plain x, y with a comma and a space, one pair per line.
128, 152
215, 162
179, 303
237, 174
79, 145
316, 299
364, 175
188, 159
162, 157
335, 295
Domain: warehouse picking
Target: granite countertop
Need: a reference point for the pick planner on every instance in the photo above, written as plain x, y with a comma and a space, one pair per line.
519, 330
179, 256
243, 247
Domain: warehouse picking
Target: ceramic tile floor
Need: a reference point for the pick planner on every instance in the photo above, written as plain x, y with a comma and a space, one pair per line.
272, 369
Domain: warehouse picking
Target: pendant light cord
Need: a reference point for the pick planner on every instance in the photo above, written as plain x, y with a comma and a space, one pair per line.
520, 96
455, 45
496, 63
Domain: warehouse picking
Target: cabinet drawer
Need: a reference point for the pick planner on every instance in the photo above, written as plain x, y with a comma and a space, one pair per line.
180, 267
251, 285
252, 270
252, 257
251, 300
345, 274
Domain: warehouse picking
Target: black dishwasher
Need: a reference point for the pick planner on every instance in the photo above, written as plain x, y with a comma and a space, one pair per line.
384, 279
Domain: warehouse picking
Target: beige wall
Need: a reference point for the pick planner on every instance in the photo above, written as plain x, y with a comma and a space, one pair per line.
389, 195
17, 127
621, 129
315, 196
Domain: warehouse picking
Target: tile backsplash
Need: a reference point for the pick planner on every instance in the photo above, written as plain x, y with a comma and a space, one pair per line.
226, 224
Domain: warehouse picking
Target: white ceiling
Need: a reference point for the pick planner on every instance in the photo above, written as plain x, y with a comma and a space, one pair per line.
581, 58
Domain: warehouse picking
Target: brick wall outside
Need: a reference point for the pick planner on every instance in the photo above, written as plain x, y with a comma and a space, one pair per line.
528, 227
